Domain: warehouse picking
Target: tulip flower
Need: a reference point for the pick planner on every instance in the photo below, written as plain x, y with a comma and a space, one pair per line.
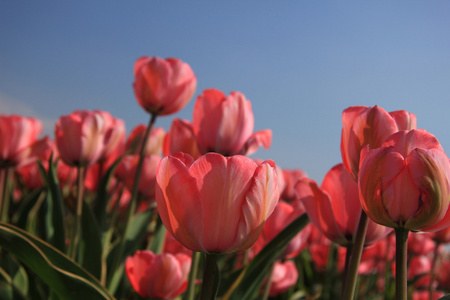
215, 204
127, 168
406, 183
224, 124
82, 137
19, 144
161, 276
290, 178
181, 138
163, 86
369, 126
284, 276
154, 143
334, 208
283, 215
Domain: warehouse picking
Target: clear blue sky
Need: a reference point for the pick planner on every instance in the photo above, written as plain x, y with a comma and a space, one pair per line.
301, 63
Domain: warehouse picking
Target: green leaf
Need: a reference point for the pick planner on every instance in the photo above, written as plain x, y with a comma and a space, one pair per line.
91, 243
157, 242
64, 277
55, 213
101, 200
250, 280
13, 279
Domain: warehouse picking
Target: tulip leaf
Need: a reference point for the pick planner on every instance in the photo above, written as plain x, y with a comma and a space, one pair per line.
101, 201
250, 280
91, 243
13, 279
157, 242
65, 278
447, 297
55, 214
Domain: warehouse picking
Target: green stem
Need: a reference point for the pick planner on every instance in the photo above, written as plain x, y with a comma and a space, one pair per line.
268, 283
348, 255
78, 213
433, 265
133, 202
190, 292
358, 245
401, 247
4, 194
209, 290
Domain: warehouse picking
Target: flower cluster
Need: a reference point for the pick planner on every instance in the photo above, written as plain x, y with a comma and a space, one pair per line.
102, 214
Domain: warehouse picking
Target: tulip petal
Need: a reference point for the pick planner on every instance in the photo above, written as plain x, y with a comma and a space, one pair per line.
179, 202
318, 207
222, 183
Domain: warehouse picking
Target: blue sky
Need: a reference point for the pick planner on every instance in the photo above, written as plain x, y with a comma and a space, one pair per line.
300, 63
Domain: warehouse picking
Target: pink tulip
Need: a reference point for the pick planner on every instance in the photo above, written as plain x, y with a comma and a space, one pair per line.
154, 142
284, 276
290, 178
283, 215
162, 276
334, 208
127, 169
83, 137
224, 124
181, 138
369, 126
163, 86
215, 204
19, 144
406, 183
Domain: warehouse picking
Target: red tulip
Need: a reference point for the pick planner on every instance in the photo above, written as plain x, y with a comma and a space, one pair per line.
161, 276
334, 208
284, 276
369, 126
215, 204
19, 144
83, 137
163, 86
224, 124
406, 183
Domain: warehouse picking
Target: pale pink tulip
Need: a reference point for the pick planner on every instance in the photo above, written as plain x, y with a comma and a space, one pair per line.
82, 137
215, 204
369, 126
406, 183
224, 124
163, 86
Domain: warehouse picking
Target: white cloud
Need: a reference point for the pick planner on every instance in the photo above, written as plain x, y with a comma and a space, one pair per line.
10, 106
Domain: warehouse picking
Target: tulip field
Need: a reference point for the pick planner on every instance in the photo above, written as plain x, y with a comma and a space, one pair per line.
95, 213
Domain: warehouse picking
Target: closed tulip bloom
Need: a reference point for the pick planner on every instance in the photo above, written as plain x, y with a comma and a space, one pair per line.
162, 276
215, 204
334, 207
369, 126
114, 134
406, 184
154, 142
224, 124
81, 137
127, 168
181, 138
19, 144
163, 86
284, 276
